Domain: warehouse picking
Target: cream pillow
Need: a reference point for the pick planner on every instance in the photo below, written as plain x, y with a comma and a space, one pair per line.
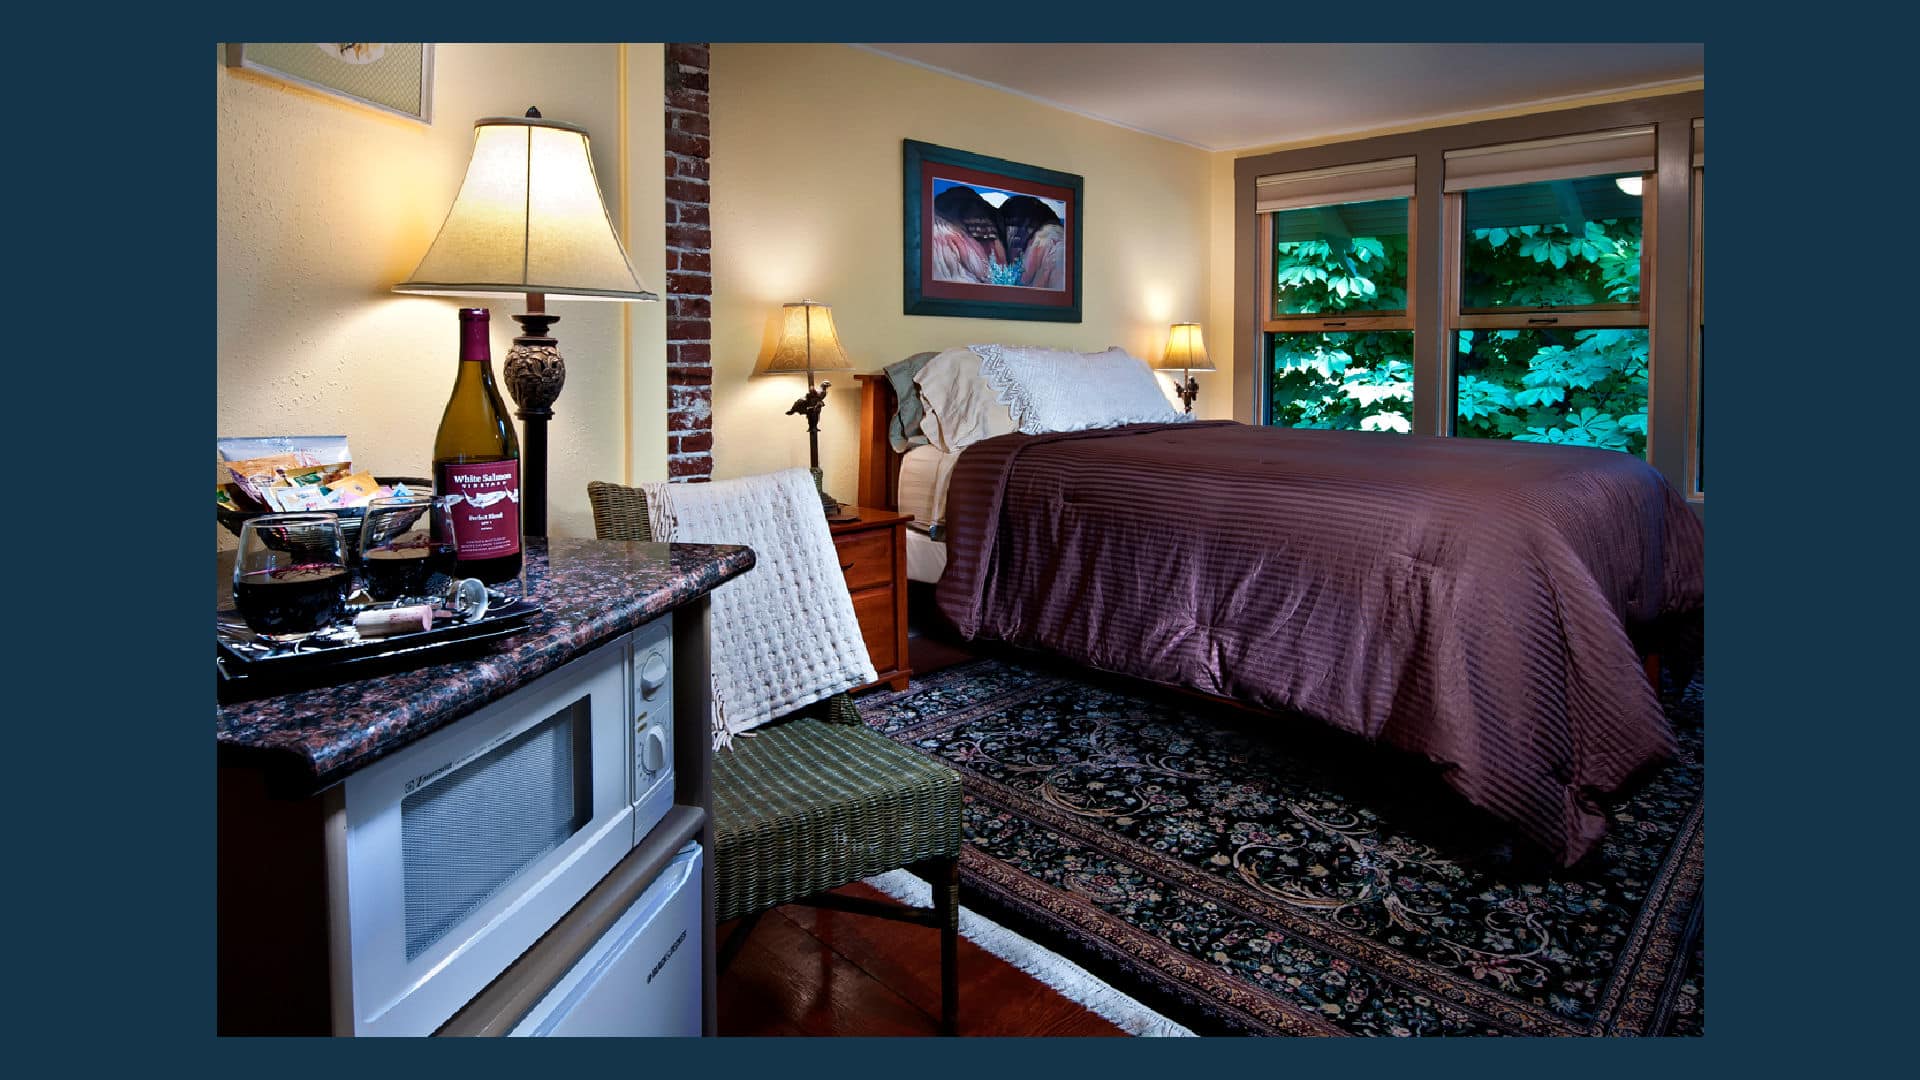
961, 409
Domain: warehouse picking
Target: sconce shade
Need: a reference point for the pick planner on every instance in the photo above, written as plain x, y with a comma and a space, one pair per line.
808, 341
1185, 349
528, 219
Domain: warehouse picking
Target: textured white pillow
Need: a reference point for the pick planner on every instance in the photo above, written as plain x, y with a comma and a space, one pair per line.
1054, 390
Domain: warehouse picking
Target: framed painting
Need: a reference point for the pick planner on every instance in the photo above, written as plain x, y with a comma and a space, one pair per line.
393, 78
988, 238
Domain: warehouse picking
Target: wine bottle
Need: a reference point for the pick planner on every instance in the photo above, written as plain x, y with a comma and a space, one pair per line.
476, 463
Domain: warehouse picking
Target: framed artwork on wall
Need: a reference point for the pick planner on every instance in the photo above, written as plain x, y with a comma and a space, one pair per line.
389, 77
988, 238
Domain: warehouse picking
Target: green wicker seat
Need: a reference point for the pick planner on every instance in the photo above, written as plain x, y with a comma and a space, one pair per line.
817, 800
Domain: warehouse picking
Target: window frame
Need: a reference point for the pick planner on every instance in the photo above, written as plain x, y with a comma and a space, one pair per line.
1433, 273
1604, 316
1272, 324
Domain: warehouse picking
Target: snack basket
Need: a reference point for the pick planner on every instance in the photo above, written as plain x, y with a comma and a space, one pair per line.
350, 517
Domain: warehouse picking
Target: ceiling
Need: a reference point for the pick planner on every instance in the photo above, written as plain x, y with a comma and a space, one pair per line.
1235, 96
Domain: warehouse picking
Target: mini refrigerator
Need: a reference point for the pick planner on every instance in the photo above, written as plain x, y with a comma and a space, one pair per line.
643, 976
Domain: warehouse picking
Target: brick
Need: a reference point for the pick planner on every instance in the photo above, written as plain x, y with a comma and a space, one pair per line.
689, 307
689, 375
682, 283
692, 122
690, 354
694, 214
689, 191
700, 442
688, 54
691, 167
685, 142
687, 98
690, 467
688, 330
700, 261
698, 237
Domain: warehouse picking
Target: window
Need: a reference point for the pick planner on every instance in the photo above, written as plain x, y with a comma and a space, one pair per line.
1339, 339
1492, 279
1551, 334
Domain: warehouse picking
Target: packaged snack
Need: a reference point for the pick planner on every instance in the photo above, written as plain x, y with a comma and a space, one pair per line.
356, 489
314, 474
311, 449
297, 497
256, 475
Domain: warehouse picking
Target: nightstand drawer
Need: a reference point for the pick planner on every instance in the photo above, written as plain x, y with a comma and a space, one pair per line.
866, 558
875, 610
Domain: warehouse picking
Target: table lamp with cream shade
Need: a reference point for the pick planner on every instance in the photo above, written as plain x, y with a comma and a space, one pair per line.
529, 220
1187, 353
808, 343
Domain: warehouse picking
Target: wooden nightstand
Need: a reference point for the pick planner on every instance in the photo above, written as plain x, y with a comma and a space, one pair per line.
873, 556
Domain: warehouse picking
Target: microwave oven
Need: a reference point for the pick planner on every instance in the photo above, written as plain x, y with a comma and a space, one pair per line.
449, 857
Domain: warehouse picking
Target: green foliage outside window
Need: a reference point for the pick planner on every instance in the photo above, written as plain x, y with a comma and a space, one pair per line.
1579, 387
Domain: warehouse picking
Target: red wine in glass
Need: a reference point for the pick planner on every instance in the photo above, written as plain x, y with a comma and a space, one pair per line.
405, 567
291, 600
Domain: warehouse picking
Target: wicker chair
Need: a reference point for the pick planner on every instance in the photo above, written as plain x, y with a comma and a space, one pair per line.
817, 800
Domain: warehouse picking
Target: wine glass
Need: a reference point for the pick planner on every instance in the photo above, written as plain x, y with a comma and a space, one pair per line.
290, 576
404, 542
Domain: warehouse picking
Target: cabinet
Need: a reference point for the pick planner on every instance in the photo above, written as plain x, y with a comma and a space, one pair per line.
873, 556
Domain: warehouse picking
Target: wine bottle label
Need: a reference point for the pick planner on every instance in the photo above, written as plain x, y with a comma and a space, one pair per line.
485, 507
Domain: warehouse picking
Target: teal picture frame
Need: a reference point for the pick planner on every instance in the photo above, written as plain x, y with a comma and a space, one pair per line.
1028, 266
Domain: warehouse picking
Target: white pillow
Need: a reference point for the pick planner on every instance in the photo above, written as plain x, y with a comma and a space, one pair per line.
1053, 390
961, 409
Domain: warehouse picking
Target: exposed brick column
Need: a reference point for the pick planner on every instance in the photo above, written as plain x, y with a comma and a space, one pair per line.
689, 268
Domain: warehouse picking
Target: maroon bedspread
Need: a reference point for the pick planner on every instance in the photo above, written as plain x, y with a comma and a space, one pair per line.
1459, 598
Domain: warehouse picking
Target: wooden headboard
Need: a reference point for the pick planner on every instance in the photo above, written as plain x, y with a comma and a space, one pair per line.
879, 465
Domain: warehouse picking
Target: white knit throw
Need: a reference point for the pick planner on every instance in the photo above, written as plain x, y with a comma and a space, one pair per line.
784, 633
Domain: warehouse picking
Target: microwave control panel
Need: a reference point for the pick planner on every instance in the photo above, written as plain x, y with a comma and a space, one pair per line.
652, 709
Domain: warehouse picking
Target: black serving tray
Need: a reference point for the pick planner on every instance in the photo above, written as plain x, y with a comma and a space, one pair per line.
242, 673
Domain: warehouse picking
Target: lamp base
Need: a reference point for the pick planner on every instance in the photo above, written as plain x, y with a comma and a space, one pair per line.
834, 508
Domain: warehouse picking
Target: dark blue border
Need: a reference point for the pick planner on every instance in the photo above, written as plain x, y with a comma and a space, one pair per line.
1809, 636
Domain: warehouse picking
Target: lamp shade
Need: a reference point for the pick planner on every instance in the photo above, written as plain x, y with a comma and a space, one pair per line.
528, 219
1185, 349
808, 341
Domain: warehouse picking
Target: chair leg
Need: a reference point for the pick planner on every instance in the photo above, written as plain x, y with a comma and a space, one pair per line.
944, 875
735, 942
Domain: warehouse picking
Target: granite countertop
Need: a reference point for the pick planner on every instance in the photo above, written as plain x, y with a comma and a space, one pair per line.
589, 591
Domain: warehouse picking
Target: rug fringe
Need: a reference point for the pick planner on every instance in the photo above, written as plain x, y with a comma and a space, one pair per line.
1072, 981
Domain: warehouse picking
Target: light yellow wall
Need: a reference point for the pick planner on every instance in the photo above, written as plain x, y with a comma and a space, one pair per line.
807, 204
645, 190
323, 205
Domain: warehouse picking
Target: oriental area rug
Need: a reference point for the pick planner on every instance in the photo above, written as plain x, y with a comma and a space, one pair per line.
1249, 874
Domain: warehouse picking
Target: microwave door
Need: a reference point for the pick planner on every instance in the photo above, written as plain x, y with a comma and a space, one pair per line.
457, 853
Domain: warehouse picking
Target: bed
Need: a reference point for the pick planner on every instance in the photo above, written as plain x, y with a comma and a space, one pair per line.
1468, 600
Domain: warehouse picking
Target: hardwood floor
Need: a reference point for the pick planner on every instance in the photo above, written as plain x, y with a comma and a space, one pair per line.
807, 971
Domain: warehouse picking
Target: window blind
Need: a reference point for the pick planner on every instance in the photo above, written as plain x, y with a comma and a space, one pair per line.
1627, 150
1365, 182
